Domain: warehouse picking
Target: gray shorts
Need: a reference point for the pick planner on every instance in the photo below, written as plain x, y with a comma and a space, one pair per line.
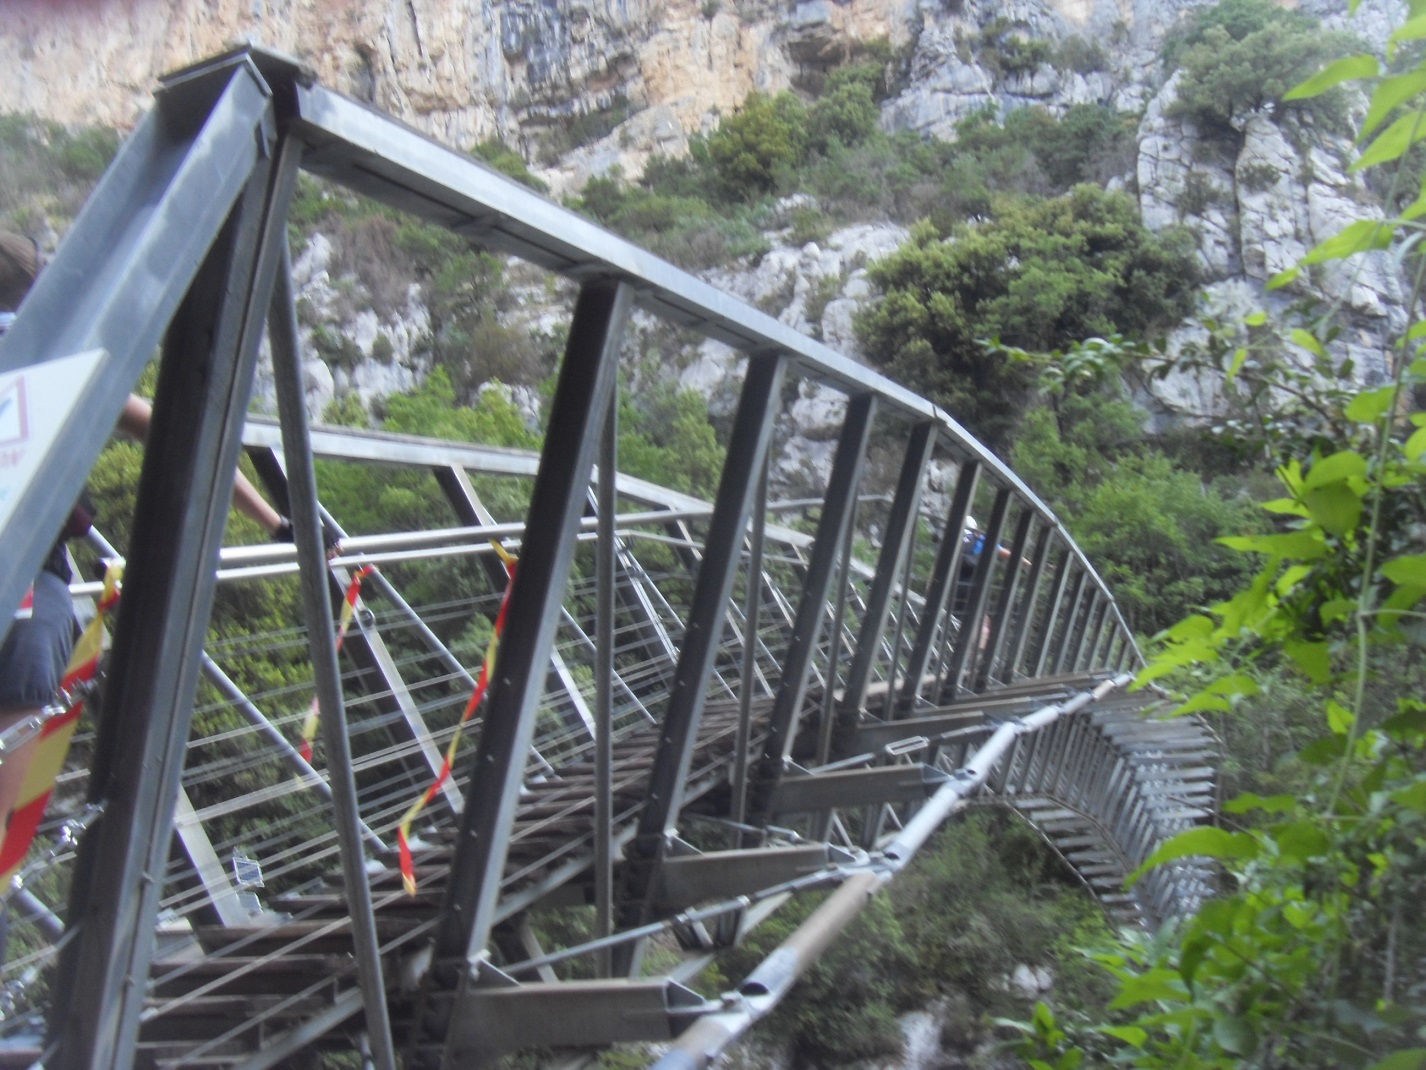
37, 649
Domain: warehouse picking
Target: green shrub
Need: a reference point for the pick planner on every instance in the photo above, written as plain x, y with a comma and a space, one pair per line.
509, 163
1037, 276
758, 146
1242, 56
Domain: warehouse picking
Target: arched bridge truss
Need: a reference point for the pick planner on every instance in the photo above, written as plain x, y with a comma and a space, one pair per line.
698, 710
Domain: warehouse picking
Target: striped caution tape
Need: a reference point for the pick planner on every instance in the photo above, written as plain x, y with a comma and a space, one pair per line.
403, 833
344, 621
56, 731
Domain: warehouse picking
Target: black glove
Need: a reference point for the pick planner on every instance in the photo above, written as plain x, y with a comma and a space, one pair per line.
331, 543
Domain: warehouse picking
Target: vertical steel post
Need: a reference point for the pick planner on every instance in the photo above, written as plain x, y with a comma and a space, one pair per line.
751, 611
608, 506
943, 574
1068, 635
288, 376
747, 449
1051, 617
586, 383
837, 510
210, 353
967, 642
1031, 599
1000, 617
900, 524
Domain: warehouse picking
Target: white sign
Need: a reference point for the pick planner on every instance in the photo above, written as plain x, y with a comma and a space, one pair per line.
35, 403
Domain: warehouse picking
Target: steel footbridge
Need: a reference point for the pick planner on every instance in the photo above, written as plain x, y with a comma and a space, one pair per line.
698, 711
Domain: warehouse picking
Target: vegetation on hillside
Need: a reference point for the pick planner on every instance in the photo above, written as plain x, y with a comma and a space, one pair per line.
1312, 956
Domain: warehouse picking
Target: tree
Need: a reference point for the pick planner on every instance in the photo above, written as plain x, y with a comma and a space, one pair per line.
1037, 276
758, 146
1243, 56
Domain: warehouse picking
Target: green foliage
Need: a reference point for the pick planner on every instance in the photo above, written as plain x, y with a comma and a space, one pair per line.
1238, 19
1147, 523
581, 129
1313, 956
509, 163
847, 112
47, 169
1036, 276
1243, 56
756, 149
1003, 49
665, 437
982, 898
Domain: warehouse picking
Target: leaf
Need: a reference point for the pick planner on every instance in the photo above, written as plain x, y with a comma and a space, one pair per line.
1336, 609
1415, 445
1324, 750
1335, 507
1148, 987
1234, 1035
1392, 142
1339, 718
1404, 1059
1256, 319
1390, 94
1202, 701
1302, 545
1406, 570
1359, 237
1239, 356
1314, 659
1307, 341
1284, 278
1205, 842
1341, 465
1301, 840
1344, 70
1129, 1034
1368, 406
1413, 30
1286, 506
1413, 796
1270, 804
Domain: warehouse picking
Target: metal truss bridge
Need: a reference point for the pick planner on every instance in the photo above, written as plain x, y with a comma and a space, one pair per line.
698, 710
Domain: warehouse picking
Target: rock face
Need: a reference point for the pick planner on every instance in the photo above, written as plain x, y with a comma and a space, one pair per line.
461, 70
610, 82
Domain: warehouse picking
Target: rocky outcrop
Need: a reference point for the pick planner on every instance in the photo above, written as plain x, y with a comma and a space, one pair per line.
1257, 196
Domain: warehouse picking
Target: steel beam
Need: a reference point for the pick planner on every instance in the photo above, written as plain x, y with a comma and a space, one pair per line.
688, 880
943, 574
1068, 634
967, 641
1026, 614
586, 384
1000, 618
900, 525
495, 1020
116, 282
1050, 617
747, 448
210, 353
832, 525
857, 787
316, 581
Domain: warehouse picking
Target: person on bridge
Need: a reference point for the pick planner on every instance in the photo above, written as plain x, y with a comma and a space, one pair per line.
41, 636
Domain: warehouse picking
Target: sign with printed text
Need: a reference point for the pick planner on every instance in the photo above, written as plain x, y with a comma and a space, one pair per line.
35, 403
